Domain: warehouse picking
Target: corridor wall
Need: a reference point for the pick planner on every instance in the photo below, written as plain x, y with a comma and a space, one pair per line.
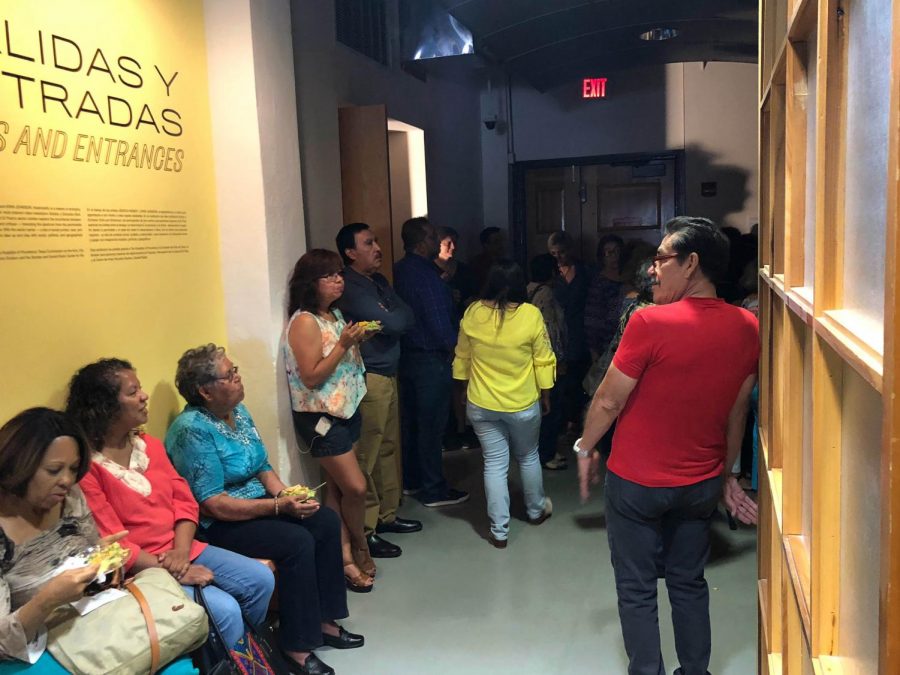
108, 230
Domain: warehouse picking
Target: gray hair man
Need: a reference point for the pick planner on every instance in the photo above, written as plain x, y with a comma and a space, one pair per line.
680, 386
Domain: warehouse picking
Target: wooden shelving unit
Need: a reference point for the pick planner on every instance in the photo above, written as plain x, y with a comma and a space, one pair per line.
829, 564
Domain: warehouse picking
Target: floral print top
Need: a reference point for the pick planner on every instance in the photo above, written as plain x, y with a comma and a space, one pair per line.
341, 393
214, 458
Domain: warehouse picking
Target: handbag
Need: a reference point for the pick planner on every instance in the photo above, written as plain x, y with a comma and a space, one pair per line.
254, 654
152, 626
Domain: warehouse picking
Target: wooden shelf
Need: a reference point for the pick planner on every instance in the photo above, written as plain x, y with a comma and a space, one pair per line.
762, 587
861, 356
800, 302
803, 21
797, 555
776, 77
775, 479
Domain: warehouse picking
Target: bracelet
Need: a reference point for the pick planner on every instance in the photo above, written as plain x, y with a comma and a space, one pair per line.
578, 450
276, 505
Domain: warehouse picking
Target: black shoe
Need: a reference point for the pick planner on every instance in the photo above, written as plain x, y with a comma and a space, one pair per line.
400, 526
496, 543
382, 548
313, 666
343, 640
449, 498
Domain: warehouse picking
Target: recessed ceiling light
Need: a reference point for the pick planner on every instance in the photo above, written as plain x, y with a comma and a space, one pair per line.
659, 34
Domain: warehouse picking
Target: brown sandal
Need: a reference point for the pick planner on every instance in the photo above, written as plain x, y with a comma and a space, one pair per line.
359, 583
363, 560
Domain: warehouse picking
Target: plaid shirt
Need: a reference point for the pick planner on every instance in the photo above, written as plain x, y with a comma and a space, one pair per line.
418, 282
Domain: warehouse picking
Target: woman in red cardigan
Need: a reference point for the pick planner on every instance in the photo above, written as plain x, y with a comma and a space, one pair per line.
131, 485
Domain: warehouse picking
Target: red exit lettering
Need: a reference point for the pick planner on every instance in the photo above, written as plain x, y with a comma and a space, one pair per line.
593, 87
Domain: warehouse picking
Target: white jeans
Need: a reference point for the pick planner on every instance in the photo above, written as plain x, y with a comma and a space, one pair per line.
500, 432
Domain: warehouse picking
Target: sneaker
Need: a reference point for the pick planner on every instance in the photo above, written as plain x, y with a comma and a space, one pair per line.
557, 463
546, 513
469, 440
409, 492
449, 498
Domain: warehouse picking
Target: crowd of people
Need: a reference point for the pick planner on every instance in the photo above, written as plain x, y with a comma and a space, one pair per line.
383, 381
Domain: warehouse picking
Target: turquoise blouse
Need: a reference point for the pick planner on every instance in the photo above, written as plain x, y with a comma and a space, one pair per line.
214, 458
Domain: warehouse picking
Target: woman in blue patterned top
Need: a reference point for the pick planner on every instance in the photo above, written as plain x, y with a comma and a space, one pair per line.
214, 444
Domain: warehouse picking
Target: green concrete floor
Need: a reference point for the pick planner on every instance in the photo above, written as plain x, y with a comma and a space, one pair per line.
546, 604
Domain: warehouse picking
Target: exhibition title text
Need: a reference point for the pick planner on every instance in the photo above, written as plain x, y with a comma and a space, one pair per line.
47, 73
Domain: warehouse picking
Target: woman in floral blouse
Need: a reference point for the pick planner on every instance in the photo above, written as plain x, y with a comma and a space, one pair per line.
327, 382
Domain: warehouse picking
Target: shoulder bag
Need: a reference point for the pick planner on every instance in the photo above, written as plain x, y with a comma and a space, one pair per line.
155, 624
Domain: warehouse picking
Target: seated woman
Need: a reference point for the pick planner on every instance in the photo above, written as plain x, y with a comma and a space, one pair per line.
214, 444
43, 519
505, 367
131, 485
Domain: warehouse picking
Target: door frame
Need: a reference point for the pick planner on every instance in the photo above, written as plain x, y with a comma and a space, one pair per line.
517, 196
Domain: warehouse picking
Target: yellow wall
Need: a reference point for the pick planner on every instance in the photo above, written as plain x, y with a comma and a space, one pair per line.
66, 296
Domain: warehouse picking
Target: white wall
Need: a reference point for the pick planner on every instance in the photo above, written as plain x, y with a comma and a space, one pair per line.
257, 165
711, 112
330, 75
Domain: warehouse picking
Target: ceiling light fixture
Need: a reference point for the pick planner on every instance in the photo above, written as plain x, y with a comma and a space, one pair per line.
659, 34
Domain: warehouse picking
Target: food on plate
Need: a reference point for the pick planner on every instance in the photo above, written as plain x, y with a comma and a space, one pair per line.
108, 558
301, 491
370, 326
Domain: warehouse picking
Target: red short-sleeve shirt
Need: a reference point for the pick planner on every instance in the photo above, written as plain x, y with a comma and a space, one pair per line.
690, 358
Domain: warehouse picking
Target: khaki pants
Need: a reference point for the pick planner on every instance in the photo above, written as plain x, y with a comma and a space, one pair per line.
378, 450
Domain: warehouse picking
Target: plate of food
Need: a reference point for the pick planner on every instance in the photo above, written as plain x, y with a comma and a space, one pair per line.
110, 560
370, 326
305, 493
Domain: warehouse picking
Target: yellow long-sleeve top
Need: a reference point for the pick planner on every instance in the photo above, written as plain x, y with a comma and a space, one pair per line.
508, 363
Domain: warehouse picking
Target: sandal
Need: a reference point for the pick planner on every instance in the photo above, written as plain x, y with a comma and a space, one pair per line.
363, 560
359, 583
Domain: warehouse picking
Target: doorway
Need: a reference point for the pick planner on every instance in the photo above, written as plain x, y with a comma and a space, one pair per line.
631, 196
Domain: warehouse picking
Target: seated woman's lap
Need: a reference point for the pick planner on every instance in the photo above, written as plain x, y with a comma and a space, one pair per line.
277, 537
307, 555
240, 583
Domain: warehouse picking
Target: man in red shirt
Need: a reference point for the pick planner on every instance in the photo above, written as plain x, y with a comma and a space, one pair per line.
680, 387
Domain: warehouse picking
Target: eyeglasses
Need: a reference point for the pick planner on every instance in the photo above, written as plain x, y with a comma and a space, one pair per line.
229, 376
332, 276
657, 259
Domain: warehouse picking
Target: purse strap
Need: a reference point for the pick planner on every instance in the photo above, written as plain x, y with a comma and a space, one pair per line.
132, 588
200, 599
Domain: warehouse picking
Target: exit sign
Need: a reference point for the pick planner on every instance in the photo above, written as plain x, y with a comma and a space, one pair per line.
593, 87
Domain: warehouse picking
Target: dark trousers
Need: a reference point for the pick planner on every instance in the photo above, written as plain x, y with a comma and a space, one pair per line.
648, 529
425, 388
307, 556
574, 399
551, 423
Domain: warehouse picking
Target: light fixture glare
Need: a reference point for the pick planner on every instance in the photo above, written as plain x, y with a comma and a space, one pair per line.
657, 34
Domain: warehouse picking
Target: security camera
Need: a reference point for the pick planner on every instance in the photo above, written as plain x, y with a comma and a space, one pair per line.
490, 124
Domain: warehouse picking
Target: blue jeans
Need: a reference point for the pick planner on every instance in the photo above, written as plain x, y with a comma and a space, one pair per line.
500, 432
240, 583
425, 386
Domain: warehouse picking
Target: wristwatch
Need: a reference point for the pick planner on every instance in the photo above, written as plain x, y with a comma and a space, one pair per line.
578, 450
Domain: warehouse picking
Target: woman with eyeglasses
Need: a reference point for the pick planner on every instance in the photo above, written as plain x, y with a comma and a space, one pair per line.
131, 485
215, 445
327, 382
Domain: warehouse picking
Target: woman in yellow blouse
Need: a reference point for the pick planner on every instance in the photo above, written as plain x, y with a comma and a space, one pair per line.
505, 355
